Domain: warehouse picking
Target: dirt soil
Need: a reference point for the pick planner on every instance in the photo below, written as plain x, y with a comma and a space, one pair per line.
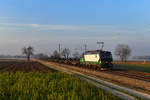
24, 66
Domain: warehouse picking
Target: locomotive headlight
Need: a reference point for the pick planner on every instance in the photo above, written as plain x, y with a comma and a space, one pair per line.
100, 62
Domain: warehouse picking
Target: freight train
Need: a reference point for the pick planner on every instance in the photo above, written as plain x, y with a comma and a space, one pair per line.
95, 59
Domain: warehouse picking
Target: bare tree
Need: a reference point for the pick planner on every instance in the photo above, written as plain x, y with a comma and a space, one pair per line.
65, 53
76, 55
55, 54
123, 51
28, 52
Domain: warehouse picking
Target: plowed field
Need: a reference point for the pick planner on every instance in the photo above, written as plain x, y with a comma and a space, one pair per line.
23, 66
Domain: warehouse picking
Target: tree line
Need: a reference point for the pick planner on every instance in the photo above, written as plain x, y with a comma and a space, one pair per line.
123, 51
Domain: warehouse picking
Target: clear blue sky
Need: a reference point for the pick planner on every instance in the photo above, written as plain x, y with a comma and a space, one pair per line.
45, 23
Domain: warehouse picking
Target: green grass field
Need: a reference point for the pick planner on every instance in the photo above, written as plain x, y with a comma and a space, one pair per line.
137, 67
48, 86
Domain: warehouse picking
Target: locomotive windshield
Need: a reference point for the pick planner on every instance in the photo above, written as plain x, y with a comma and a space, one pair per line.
106, 56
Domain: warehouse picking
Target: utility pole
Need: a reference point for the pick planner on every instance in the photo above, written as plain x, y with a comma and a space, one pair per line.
59, 46
85, 47
101, 45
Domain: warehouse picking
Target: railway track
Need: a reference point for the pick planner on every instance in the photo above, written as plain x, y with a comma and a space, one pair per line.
126, 73
132, 74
